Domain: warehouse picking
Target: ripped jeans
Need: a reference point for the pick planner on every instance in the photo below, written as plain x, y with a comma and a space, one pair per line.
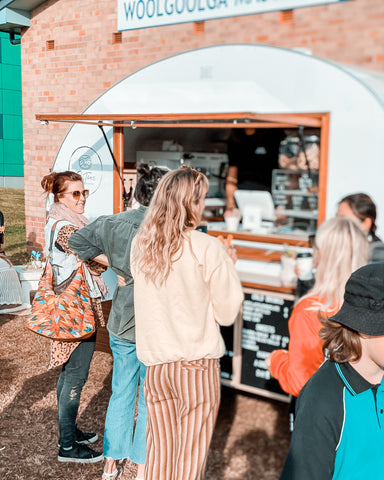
69, 386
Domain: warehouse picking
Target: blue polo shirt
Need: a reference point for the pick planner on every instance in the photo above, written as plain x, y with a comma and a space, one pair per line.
338, 432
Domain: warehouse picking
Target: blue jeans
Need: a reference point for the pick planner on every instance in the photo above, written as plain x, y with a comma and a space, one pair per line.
69, 386
122, 438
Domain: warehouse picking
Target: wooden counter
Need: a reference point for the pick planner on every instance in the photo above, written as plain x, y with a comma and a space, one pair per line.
259, 252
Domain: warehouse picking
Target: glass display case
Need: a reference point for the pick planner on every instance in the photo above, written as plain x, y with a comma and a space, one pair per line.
295, 195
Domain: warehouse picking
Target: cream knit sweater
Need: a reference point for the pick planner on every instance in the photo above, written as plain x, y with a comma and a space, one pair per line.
180, 320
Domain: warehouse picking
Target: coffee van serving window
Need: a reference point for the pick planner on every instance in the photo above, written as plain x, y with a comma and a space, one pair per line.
135, 14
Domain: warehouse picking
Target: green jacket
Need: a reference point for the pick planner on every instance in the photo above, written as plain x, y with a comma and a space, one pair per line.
113, 235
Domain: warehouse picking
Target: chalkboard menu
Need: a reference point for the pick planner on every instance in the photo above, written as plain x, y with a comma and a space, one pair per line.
226, 360
265, 328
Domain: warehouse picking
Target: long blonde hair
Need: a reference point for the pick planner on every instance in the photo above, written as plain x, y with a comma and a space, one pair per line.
343, 249
174, 209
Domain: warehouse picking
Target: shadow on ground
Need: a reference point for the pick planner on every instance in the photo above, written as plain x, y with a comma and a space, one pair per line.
250, 439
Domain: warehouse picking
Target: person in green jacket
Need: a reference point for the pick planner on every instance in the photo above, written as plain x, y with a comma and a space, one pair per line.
112, 235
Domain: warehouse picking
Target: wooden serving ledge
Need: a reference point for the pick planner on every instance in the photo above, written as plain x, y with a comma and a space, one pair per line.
263, 254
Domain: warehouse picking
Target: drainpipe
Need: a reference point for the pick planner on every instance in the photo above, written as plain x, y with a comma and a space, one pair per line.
13, 40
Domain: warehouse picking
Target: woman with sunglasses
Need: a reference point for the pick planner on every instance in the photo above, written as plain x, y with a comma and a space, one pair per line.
186, 286
65, 217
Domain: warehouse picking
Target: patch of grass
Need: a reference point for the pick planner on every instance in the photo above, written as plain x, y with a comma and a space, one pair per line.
13, 208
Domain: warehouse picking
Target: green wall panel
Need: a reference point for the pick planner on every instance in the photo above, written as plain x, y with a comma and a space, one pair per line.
11, 77
11, 102
10, 54
13, 170
13, 152
12, 127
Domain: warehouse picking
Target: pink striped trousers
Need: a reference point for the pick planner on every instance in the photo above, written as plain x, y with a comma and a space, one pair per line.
183, 400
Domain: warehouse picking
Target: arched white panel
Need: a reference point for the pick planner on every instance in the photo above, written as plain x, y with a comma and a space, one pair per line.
256, 78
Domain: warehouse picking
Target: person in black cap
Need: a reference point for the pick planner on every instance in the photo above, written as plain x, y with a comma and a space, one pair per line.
339, 428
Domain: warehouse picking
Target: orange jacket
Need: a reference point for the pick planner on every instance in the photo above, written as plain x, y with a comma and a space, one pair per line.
294, 368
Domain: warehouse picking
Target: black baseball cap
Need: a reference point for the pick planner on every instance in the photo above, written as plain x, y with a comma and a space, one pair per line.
363, 307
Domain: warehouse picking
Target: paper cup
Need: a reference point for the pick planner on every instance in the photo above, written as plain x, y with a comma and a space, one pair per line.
232, 223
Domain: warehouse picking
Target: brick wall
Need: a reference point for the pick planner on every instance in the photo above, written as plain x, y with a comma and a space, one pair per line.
85, 62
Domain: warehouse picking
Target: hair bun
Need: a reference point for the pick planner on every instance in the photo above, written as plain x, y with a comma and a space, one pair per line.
48, 181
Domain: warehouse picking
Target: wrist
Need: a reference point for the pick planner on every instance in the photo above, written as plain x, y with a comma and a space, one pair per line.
231, 183
231, 179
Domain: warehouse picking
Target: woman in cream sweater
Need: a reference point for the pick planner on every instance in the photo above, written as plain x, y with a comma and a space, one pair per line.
186, 286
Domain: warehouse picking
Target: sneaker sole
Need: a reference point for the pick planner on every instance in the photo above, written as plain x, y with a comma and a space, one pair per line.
80, 460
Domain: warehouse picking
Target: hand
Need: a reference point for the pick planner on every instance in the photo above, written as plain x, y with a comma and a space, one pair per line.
120, 281
297, 271
2, 229
268, 361
231, 250
102, 259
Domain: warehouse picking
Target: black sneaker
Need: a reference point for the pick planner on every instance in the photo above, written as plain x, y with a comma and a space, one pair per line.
79, 454
85, 438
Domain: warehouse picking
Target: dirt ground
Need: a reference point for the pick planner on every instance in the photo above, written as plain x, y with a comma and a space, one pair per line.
250, 440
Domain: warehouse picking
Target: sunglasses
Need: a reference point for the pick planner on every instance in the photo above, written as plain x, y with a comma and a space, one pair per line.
77, 193
196, 175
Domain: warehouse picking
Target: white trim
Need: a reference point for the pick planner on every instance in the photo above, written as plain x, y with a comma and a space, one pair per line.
342, 428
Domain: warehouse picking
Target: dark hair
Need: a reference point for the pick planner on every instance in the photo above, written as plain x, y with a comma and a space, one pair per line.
340, 343
147, 181
363, 207
56, 182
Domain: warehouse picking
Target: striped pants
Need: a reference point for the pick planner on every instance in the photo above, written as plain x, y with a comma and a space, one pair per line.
182, 401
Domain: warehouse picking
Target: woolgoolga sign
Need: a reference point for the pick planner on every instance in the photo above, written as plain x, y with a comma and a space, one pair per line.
135, 14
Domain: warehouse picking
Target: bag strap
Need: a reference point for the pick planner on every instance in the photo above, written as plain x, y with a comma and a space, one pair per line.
49, 258
52, 236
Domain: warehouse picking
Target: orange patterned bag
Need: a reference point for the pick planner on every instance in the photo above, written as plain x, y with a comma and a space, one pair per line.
65, 316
